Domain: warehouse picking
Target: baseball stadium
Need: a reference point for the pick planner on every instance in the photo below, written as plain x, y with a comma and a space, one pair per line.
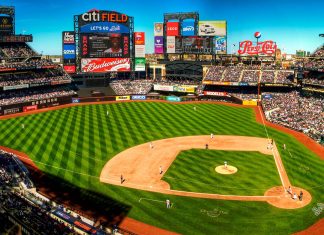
195, 138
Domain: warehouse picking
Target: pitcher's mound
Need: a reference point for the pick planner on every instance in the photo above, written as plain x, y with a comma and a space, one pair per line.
226, 171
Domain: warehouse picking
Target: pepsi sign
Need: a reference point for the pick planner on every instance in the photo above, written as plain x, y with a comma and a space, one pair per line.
188, 28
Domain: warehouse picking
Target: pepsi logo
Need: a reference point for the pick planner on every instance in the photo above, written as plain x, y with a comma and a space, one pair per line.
257, 34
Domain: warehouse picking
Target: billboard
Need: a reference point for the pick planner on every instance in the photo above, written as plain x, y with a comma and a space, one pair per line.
188, 28
212, 28
121, 98
139, 51
172, 29
102, 65
139, 38
140, 64
96, 21
158, 44
69, 68
220, 45
215, 93
68, 51
170, 44
68, 37
6, 24
104, 45
266, 48
163, 88
158, 29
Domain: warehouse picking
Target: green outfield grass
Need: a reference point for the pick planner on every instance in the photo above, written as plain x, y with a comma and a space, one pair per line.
75, 143
194, 171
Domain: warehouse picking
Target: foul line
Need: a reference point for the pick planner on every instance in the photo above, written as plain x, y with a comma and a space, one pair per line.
274, 156
148, 199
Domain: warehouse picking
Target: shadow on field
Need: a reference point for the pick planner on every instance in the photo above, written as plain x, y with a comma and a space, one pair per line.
97, 207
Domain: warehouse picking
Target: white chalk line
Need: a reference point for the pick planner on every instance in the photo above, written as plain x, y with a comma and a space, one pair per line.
148, 199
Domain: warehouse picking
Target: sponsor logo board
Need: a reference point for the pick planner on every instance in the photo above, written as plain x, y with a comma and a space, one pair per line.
138, 97
101, 65
121, 98
212, 28
172, 29
158, 29
188, 28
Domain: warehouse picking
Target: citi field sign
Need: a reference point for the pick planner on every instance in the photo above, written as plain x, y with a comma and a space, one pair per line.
95, 21
104, 16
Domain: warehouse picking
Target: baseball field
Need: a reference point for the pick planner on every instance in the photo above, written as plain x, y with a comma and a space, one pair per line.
79, 144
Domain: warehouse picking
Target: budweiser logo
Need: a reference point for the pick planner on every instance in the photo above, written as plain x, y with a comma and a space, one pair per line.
266, 47
102, 65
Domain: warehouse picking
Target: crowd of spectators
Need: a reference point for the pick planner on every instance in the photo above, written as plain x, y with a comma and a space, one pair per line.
30, 64
31, 77
35, 218
268, 76
319, 52
215, 73
21, 96
244, 96
248, 73
314, 81
129, 87
251, 76
283, 77
16, 50
298, 112
314, 64
232, 73
12, 171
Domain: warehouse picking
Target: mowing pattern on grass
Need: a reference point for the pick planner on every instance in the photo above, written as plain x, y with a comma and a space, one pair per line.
194, 171
82, 139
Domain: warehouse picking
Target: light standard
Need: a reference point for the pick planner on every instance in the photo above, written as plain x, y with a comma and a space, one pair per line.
232, 51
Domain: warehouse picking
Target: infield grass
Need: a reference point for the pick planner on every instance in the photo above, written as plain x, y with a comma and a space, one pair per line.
75, 143
194, 171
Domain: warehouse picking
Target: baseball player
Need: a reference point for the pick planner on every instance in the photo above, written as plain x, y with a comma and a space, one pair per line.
168, 203
195, 109
121, 179
225, 164
284, 146
161, 170
107, 113
211, 135
151, 145
23, 126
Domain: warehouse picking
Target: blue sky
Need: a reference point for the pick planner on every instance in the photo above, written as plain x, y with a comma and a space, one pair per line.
292, 24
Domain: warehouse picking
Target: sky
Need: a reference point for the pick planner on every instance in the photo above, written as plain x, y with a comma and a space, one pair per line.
293, 25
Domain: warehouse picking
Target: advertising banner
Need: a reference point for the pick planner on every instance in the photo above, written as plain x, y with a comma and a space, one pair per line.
188, 28
187, 89
29, 108
173, 98
172, 29
75, 100
267, 48
139, 51
170, 44
158, 29
163, 88
267, 96
68, 52
212, 28
158, 45
138, 97
194, 44
102, 65
104, 27
12, 110
220, 44
5, 88
140, 64
120, 98
139, 38
69, 68
6, 24
36, 84
68, 37
215, 93
250, 102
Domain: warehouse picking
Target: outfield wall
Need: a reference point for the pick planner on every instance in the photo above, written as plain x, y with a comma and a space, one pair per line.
46, 103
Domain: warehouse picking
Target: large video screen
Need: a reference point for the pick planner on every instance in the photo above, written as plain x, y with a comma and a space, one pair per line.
194, 45
104, 45
6, 24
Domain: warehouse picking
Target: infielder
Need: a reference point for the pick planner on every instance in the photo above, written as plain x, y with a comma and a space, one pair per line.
151, 145
161, 170
211, 135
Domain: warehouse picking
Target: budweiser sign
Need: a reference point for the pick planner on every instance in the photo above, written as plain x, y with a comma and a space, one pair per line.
101, 65
261, 48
